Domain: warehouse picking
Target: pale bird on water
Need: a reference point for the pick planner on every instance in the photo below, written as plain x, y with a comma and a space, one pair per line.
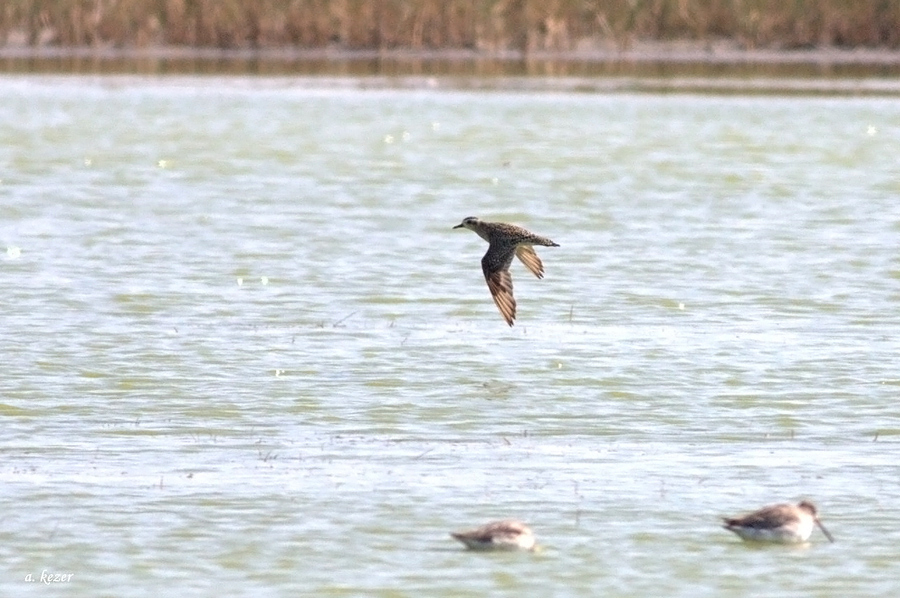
784, 523
506, 241
498, 535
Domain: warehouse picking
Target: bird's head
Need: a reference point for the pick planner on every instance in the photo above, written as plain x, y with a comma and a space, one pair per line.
470, 223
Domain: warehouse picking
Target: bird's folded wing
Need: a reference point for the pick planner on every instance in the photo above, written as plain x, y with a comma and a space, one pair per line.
766, 518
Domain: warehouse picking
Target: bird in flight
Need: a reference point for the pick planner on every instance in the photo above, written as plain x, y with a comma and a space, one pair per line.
506, 241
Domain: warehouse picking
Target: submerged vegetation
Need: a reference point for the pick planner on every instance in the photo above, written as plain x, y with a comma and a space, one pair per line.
493, 25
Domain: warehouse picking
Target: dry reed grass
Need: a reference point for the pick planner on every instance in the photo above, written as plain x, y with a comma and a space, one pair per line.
445, 24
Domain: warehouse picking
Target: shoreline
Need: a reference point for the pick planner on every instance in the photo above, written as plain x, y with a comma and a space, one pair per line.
719, 68
626, 84
680, 52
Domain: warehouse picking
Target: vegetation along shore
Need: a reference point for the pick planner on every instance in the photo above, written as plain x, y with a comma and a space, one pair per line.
475, 25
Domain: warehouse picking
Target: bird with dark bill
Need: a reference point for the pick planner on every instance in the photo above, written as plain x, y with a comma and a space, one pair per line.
784, 523
504, 242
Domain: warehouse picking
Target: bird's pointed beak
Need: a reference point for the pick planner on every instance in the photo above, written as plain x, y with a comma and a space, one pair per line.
459, 226
824, 531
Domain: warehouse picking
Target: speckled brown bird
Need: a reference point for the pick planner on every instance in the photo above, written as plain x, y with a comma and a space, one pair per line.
506, 241
785, 523
498, 535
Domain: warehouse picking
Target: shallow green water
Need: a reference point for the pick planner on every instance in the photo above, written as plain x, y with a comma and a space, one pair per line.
246, 355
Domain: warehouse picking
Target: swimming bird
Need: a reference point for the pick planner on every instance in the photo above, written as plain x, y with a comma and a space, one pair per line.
506, 241
785, 523
508, 534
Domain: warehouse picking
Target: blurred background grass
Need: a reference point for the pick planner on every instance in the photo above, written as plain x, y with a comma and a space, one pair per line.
525, 25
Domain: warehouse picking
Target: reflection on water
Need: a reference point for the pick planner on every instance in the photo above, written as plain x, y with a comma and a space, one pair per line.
368, 64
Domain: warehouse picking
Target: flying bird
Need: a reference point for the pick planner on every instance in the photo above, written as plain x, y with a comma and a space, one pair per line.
506, 241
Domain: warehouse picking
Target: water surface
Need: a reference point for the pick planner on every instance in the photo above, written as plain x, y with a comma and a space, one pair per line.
244, 352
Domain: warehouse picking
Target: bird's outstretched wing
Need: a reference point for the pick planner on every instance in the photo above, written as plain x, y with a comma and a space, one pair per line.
531, 260
500, 284
495, 265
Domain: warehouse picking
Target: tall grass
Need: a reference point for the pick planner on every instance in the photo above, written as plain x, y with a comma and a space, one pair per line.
442, 24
